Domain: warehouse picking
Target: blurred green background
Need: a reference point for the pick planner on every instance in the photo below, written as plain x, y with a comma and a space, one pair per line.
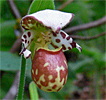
86, 77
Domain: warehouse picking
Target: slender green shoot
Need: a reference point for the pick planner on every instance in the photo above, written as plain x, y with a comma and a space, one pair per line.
33, 91
22, 79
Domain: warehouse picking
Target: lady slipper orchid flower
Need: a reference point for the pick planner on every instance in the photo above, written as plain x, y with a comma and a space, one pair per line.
45, 42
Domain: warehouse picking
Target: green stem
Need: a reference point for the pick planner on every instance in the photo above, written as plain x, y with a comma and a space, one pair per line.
22, 79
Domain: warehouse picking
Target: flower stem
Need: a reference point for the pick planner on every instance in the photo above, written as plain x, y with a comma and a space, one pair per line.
22, 79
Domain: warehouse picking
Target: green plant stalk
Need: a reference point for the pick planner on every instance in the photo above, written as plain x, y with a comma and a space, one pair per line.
22, 79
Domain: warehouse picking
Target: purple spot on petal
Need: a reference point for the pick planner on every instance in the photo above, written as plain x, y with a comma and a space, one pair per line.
54, 45
63, 47
58, 40
69, 48
25, 41
25, 36
29, 34
68, 38
63, 34
73, 44
54, 34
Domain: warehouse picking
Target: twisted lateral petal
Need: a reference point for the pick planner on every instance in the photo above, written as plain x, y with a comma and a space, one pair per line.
64, 40
52, 19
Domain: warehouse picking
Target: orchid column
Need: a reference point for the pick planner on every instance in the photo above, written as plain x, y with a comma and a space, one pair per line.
45, 42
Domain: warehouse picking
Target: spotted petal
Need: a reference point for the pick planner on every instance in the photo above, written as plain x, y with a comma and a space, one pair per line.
27, 37
64, 40
52, 19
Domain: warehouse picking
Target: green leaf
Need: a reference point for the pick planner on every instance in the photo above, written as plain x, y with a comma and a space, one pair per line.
38, 5
11, 62
7, 28
33, 91
7, 35
4, 85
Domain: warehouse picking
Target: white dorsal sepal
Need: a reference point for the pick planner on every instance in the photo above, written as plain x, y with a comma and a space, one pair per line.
53, 19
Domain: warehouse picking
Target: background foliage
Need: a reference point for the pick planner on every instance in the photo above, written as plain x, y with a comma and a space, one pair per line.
86, 78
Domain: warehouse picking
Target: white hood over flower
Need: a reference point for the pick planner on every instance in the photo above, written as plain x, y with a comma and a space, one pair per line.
43, 29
